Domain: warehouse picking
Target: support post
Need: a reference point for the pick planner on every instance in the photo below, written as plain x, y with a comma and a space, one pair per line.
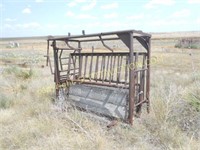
148, 75
56, 71
131, 79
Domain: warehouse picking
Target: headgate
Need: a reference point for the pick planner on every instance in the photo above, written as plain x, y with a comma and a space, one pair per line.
115, 83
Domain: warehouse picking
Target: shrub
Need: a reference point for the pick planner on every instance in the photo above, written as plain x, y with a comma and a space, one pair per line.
194, 99
19, 72
5, 102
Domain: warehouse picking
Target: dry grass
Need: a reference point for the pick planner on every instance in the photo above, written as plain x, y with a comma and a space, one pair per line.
30, 120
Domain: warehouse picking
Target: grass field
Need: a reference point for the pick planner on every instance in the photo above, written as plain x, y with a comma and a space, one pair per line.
29, 118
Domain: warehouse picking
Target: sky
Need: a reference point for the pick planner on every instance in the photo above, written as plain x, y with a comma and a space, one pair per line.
24, 18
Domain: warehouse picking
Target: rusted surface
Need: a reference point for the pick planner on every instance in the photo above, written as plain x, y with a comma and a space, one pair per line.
129, 71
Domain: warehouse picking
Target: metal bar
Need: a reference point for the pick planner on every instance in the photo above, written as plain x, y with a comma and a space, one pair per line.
61, 67
60, 53
107, 67
141, 88
107, 54
106, 46
71, 47
47, 53
112, 81
96, 40
126, 70
139, 70
143, 101
80, 59
70, 70
86, 58
69, 62
131, 81
110, 71
90, 72
136, 66
97, 83
96, 68
74, 66
48, 61
148, 76
56, 67
105, 33
104, 61
113, 68
101, 69
118, 67
64, 58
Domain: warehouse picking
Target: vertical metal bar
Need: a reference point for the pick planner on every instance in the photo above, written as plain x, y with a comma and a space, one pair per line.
107, 67
110, 71
131, 80
69, 66
90, 73
48, 58
47, 53
126, 70
148, 75
104, 62
80, 59
86, 58
120, 67
74, 62
80, 65
141, 88
96, 68
57, 74
118, 58
136, 66
61, 66
113, 69
101, 69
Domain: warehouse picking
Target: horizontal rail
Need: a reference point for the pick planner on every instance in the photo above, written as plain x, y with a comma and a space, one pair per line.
107, 54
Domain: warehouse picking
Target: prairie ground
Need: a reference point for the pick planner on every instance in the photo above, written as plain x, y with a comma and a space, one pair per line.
29, 118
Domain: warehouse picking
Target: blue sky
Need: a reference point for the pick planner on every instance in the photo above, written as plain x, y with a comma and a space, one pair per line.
58, 17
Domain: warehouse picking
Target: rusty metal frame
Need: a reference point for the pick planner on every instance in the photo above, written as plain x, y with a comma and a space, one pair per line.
112, 58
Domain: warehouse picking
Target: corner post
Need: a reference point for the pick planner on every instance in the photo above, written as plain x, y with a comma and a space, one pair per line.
131, 79
56, 71
148, 75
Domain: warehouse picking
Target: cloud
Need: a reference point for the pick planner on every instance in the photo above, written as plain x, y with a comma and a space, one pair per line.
110, 16
52, 26
39, 1
26, 11
8, 26
72, 4
171, 22
135, 17
110, 6
80, 16
154, 3
85, 16
31, 25
181, 13
194, 1
22, 26
198, 21
89, 6
70, 14
80, 1
10, 20
75, 2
